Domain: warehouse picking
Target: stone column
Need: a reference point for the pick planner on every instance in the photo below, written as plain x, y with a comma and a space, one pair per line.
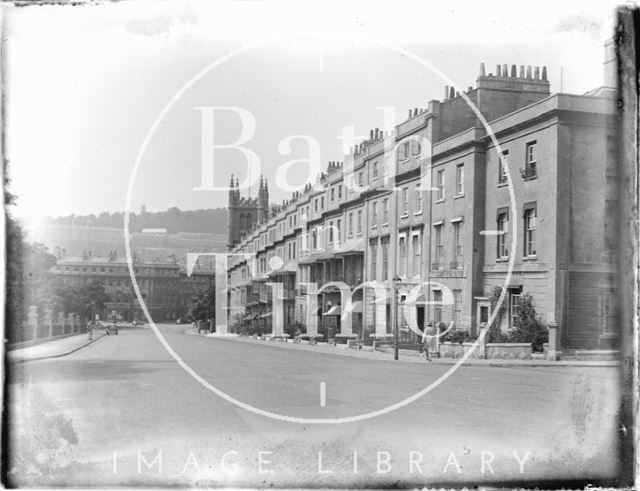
32, 321
221, 294
61, 323
277, 309
553, 352
346, 316
312, 309
381, 315
482, 345
48, 321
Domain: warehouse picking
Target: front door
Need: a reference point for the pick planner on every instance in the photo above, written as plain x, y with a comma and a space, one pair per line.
482, 315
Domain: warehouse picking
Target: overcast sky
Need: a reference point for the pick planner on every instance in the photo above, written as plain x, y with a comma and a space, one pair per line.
84, 84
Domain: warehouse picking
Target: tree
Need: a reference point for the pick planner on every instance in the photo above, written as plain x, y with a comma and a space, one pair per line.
495, 331
203, 305
79, 299
36, 267
529, 327
14, 280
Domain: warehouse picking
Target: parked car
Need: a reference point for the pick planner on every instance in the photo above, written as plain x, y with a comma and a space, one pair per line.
111, 329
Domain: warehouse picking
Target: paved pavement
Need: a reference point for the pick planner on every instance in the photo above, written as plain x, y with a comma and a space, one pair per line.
121, 411
52, 349
410, 356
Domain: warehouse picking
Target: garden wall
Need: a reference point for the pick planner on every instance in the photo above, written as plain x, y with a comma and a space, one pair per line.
508, 351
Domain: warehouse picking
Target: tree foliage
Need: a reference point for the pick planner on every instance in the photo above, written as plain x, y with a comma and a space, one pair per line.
211, 220
84, 300
495, 332
14, 280
529, 327
203, 305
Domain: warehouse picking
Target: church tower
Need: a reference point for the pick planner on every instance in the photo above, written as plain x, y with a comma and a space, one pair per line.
232, 223
263, 201
245, 213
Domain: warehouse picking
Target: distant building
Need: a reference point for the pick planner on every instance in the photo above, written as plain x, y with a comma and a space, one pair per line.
164, 286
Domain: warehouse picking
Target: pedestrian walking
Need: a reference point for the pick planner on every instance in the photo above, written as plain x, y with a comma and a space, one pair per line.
428, 340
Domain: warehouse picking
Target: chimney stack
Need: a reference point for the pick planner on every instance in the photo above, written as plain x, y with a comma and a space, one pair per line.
482, 71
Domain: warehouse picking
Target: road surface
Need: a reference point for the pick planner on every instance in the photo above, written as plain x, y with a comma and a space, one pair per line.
122, 412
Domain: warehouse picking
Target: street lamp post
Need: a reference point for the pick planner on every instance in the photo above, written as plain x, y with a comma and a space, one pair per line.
394, 288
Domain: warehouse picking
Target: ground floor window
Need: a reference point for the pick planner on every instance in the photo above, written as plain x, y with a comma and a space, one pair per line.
484, 314
514, 300
437, 306
457, 307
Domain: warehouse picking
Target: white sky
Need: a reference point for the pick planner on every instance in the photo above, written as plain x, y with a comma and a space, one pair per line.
85, 83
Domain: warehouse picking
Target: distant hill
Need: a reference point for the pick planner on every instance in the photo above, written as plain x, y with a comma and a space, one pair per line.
174, 220
73, 240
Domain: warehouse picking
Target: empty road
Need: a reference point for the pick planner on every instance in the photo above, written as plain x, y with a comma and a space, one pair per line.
122, 412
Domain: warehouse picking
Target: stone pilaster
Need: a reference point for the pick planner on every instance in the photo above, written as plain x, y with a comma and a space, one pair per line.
32, 321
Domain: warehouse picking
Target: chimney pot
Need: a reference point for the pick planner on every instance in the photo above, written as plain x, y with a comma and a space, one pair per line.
446, 92
452, 93
536, 73
514, 74
544, 73
528, 71
497, 70
505, 70
482, 71
370, 134
521, 71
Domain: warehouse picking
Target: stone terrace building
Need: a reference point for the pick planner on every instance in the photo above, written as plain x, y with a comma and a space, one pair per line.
165, 287
430, 202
